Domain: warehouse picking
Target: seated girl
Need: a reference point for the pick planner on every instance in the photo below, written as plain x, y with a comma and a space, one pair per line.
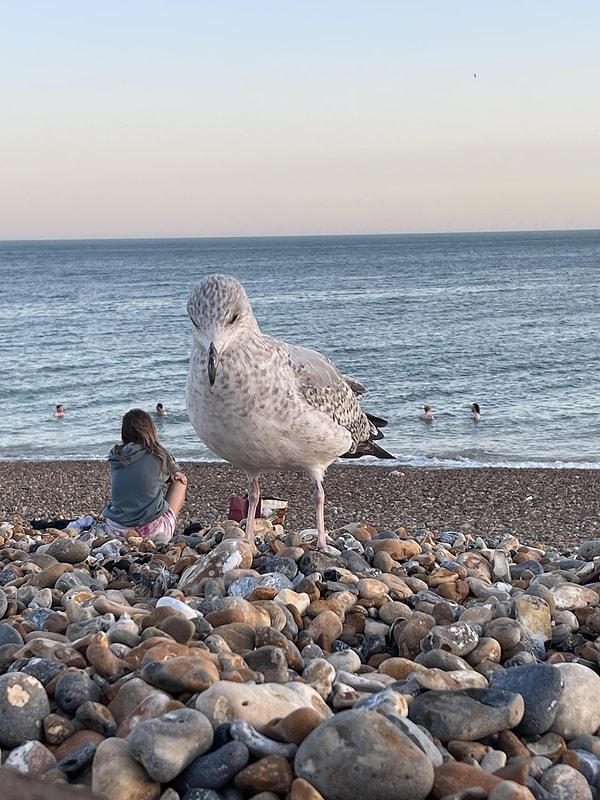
147, 487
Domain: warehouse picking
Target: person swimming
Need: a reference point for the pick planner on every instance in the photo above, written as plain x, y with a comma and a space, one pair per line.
475, 412
161, 410
427, 414
60, 410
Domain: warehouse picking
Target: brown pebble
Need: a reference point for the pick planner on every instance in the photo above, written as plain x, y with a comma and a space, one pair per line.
179, 628
455, 776
271, 773
78, 739
462, 750
48, 577
295, 727
509, 790
456, 591
239, 636
302, 790
105, 662
517, 770
325, 629
571, 758
262, 593
376, 660
309, 587
159, 649
510, 744
57, 728
157, 616
56, 622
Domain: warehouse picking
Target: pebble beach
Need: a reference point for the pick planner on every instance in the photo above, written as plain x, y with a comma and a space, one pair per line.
555, 508
444, 646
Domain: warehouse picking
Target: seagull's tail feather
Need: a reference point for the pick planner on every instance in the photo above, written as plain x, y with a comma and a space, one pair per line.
368, 449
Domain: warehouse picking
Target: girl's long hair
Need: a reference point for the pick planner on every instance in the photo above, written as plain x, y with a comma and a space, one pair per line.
137, 427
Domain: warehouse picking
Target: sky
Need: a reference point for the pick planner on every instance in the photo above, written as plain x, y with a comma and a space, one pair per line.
142, 118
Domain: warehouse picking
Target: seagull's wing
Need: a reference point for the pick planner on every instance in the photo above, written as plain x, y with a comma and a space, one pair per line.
324, 387
319, 371
313, 368
355, 385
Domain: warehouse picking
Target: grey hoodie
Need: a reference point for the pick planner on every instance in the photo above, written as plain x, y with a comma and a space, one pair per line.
137, 486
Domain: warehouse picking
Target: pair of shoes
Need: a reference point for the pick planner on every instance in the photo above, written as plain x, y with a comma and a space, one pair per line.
42, 524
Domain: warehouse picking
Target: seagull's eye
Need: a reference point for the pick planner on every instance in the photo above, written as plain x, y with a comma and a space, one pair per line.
232, 319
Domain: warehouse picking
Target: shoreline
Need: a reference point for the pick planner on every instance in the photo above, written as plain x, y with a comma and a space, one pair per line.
552, 508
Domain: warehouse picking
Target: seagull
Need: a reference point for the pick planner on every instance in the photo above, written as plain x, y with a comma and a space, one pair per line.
265, 405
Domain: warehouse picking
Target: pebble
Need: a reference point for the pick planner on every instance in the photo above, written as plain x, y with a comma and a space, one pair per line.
72, 689
165, 745
359, 753
24, 704
468, 714
540, 686
578, 706
216, 769
388, 666
118, 775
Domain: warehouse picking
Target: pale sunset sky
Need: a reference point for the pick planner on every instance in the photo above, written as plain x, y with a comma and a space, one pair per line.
140, 118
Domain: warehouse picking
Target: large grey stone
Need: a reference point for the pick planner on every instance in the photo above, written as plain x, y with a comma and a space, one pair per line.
167, 744
578, 708
68, 551
541, 687
258, 704
23, 706
566, 783
358, 754
469, 714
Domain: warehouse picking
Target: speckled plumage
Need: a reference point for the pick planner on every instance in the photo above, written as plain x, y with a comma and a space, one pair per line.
271, 406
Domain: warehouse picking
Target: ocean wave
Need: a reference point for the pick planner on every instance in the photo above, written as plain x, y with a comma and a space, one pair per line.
415, 461
457, 463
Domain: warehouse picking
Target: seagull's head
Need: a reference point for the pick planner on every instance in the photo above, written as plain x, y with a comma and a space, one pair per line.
222, 317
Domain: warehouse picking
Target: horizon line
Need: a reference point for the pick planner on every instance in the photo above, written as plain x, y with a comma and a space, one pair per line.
302, 235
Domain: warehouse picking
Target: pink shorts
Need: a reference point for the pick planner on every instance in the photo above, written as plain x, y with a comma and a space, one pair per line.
161, 529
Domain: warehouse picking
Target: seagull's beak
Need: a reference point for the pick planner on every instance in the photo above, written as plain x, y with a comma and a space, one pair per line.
213, 360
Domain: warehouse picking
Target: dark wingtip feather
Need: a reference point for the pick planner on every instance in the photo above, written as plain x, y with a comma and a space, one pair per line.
379, 422
368, 449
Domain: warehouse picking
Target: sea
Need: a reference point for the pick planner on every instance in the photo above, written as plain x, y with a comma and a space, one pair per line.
507, 320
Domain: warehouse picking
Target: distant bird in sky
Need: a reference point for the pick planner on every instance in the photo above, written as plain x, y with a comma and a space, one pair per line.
268, 406
474, 74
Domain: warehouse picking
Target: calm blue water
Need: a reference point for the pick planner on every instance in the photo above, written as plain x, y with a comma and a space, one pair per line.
508, 320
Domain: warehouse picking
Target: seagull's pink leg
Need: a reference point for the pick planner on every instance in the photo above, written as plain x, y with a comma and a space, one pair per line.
319, 501
253, 498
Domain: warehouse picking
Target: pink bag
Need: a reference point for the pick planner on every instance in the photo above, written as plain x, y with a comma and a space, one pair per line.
238, 508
